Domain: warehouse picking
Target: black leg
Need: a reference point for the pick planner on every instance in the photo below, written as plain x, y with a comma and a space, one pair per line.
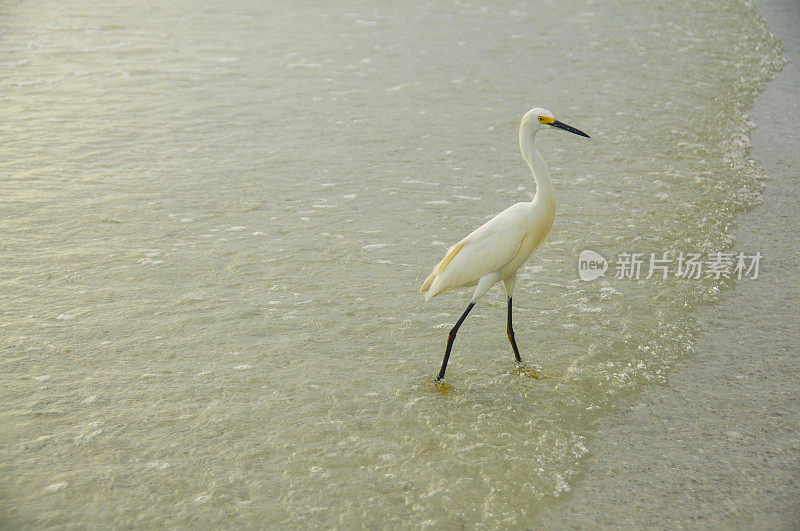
450, 338
510, 332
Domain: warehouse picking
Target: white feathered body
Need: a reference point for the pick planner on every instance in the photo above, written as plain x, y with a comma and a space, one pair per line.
500, 246
494, 251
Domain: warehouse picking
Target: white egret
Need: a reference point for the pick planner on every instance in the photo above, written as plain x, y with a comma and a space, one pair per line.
494, 251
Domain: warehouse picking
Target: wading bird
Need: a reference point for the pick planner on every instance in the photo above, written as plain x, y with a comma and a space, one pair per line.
495, 250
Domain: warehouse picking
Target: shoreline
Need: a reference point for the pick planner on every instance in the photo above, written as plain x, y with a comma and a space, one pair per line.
719, 444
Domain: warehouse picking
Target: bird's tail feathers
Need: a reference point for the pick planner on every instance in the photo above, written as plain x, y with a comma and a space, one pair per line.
428, 282
430, 287
433, 286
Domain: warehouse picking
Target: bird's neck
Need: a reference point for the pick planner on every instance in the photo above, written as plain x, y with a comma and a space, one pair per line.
544, 186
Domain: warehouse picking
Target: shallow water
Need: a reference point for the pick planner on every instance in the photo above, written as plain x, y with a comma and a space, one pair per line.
215, 221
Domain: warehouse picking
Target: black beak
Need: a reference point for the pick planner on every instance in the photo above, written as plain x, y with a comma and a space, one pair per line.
569, 128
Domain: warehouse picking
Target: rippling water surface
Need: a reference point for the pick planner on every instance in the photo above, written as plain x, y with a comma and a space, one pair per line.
216, 216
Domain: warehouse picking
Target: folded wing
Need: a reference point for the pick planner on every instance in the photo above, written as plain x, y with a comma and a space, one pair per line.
487, 249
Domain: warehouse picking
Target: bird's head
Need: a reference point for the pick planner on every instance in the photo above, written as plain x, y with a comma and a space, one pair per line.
538, 119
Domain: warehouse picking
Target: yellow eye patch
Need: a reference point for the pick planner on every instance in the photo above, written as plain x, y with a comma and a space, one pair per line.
546, 119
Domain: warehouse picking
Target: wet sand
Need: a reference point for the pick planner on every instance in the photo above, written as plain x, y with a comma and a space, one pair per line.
719, 445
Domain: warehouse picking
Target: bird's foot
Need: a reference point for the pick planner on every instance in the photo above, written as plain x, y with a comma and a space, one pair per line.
533, 371
443, 388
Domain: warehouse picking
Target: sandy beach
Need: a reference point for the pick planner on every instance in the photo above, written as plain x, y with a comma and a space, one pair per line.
719, 445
